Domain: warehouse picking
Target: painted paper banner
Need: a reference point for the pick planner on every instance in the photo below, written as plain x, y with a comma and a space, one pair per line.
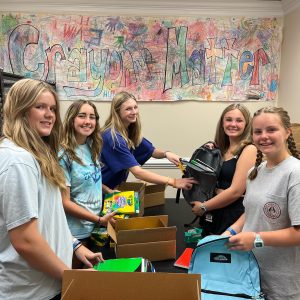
164, 58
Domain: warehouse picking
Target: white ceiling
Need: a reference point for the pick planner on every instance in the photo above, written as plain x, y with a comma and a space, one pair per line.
155, 7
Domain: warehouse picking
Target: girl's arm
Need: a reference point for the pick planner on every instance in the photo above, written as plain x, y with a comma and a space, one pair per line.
172, 157
31, 245
236, 227
279, 238
238, 184
79, 212
142, 174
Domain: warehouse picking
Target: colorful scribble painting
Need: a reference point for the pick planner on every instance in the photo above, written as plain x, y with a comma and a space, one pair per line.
165, 59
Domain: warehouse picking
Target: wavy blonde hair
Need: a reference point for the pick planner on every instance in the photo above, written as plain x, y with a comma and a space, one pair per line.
68, 141
133, 134
22, 96
222, 139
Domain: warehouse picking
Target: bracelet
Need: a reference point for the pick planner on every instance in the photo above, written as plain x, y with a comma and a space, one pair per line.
168, 182
76, 244
99, 220
231, 230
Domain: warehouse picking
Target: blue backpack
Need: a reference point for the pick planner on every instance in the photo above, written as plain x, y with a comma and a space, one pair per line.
225, 274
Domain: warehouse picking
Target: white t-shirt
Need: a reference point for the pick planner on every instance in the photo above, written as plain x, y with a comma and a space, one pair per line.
26, 194
272, 202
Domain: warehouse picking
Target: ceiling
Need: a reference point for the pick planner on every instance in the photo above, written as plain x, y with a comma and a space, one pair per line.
155, 7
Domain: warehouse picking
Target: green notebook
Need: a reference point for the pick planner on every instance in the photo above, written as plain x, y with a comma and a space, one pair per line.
120, 265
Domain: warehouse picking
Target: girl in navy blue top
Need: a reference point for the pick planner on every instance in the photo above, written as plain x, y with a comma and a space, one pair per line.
125, 150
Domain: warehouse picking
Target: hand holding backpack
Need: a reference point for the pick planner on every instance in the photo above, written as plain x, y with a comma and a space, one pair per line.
204, 165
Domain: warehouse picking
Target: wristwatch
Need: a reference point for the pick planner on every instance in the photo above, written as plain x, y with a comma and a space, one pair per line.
258, 242
203, 209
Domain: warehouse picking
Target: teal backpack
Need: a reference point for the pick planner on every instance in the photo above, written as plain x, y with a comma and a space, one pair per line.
225, 274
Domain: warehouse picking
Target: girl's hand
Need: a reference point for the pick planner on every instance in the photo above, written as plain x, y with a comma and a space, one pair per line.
242, 241
172, 157
108, 218
88, 257
184, 183
196, 209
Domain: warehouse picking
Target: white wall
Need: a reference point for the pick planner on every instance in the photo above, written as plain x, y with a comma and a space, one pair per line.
183, 126
289, 89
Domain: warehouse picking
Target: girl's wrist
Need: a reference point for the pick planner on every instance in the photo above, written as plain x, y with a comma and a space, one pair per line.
165, 153
99, 220
171, 182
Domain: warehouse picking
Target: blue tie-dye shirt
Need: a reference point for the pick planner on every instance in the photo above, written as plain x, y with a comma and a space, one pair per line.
85, 182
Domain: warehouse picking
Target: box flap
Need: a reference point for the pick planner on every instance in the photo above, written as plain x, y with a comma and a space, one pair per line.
91, 285
111, 232
146, 235
128, 186
141, 223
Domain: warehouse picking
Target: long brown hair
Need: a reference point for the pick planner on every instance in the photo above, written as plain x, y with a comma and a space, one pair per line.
286, 123
22, 96
222, 139
68, 141
132, 135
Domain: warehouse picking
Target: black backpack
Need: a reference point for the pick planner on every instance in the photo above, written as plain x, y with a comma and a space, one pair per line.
204, 165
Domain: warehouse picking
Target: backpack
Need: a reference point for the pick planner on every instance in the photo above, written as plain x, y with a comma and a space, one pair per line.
225, 274
204, 165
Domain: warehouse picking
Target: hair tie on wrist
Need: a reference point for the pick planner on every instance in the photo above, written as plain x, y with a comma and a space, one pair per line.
76, 244
231, 230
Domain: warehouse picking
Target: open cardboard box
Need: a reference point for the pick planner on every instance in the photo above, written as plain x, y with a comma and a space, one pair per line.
148, 237
137, 187
94, 285
154, 194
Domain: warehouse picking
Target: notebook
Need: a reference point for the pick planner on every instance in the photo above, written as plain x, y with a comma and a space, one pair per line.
184, 259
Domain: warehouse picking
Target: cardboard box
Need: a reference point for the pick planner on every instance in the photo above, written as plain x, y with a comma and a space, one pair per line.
147, 237
154, 195
137, 187
93, 285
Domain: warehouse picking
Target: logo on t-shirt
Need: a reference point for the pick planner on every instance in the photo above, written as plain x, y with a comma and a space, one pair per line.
272, 210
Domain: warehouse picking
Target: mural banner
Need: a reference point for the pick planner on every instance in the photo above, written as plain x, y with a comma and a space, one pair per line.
156, 59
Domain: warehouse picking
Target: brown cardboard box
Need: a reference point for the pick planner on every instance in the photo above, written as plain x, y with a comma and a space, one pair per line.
148, 237
92, 285
154, 195
137, 187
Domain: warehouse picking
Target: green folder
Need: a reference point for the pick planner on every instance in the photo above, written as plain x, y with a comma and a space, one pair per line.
120, 265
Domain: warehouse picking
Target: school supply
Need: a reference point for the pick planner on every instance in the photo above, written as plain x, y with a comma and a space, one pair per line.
204, 165
133, 264
183, 261
193, 235
126, 202
225, 274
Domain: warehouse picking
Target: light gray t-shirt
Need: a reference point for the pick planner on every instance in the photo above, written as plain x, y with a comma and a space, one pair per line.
26, 194
272, 202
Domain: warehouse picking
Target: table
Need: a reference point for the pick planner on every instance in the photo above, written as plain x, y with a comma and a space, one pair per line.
179, 214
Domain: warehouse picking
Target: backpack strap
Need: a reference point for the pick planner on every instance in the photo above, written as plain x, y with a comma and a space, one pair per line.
190, 225
178, 196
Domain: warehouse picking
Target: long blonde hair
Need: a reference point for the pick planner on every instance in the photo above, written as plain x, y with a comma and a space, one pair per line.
133, 134
222, 139
20, 98
68, 141
286, 123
